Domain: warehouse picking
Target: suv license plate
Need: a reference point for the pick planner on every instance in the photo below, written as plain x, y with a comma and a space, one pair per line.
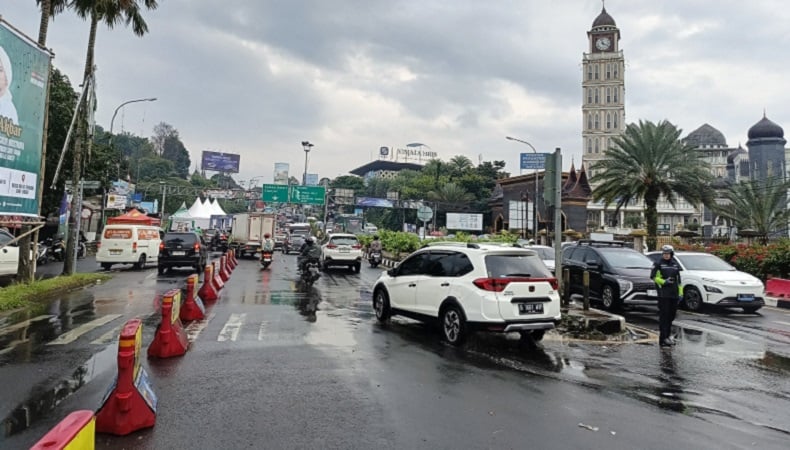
179, 253
530, 308
652, 293
745, 297
345, 250
115, 251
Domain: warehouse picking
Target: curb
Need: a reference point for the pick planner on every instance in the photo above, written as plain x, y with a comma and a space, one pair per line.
389, 263
783, 303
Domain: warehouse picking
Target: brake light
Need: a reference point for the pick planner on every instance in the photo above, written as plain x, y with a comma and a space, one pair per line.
498, 284
134, 247
356, 247
197, 246
161, 246
331, 246
98, 245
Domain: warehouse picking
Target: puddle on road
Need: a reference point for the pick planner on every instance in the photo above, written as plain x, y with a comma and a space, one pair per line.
43, 400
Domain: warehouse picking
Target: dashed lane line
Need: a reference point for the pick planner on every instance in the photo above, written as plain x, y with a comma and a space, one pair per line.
262, 329
73, 335
230, 332
193, 329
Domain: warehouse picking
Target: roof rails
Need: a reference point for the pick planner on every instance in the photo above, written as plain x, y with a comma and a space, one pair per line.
594, 243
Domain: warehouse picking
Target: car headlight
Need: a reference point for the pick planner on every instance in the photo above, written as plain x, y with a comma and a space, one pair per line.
712, 289
625, 286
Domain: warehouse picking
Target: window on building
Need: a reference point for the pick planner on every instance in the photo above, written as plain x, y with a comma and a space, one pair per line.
609, 71
608, 95
596, 71
589, 72
608, 121
589, 121
597, 120
616, 95
616, 70
589, 96
589, 145
597, 98
597, 148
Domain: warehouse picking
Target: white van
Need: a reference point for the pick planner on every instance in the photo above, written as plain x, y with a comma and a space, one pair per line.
129, 244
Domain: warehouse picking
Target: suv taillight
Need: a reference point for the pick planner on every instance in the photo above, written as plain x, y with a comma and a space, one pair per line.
197, 246
134, 247
331, 246
161, 246
356, 247
498, 284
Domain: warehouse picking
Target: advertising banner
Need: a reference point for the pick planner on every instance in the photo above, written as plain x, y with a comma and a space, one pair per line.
374, 202
24, 77
311, 179
115, 201
459, 221
220, 162
281, 173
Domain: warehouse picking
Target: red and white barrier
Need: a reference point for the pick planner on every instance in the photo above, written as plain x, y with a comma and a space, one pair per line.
192, 308
170, 338
217, 279
131, 403
231, 261
208, 292
778, 287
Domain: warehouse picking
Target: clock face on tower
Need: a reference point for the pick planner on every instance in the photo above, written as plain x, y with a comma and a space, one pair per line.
603, 43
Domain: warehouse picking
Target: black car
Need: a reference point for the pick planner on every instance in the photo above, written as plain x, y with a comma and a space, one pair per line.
619, 275
182, 249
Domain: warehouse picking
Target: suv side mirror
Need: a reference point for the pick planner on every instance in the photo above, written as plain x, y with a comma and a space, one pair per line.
392, 272
594, 263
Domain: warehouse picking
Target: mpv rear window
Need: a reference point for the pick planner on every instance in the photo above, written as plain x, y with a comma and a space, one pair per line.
185, 238
500, 266
344, 240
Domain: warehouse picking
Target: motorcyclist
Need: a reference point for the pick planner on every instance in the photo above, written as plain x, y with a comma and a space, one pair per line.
666, 274
268, 243
309, 252
375, 246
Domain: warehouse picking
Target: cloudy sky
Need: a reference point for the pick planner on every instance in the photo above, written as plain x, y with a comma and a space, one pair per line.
258, 77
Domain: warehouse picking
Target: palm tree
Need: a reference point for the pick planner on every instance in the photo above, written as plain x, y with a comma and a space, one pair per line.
49, 8
111, 13
451, 194
459, 164
649, 161
758, 205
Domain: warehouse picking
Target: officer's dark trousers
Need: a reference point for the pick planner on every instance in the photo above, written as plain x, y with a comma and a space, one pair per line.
667, 308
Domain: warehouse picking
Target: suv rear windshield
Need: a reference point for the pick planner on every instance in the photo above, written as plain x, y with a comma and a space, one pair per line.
345, 240
181, 238
500, 266
624, 258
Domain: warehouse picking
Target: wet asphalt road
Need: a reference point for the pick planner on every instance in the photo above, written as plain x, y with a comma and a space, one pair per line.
280, 366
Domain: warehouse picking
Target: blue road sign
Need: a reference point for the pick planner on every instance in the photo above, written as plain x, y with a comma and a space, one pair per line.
534, 161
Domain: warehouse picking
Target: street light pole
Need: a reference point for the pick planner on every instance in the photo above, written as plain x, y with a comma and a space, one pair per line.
535, 203
112, 121
306, 145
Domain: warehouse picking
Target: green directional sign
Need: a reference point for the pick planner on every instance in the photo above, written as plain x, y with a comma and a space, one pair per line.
308, 195
275, 193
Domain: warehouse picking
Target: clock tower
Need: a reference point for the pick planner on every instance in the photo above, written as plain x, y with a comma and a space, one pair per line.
603, 89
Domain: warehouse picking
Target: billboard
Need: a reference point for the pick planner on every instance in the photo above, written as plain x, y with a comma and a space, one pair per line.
281, 173
220, 162
459, 221
311, 179
374, 202
24, 77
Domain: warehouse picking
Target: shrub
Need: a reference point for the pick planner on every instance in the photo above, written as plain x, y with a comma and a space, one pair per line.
759, 260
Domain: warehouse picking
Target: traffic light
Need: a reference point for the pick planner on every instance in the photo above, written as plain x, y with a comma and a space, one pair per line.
550, 180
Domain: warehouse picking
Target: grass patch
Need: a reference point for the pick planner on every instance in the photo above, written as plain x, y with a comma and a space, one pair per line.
20, 295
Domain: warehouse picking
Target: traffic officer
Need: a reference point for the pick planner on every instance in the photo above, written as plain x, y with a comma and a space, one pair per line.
666, 274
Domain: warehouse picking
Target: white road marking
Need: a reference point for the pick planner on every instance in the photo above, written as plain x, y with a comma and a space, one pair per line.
232, 327
73, 335
109, 336
151, 275
262, 329
25, 323
193, 329
780, 322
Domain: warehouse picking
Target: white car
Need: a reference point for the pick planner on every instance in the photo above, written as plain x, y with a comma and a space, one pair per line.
341, 249
707, 279
546, 253
470, 287
9, 255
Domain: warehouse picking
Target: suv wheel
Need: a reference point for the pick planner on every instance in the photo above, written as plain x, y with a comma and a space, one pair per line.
140, 265
692, 298
381, 305
453, 325
161, 270
609, 298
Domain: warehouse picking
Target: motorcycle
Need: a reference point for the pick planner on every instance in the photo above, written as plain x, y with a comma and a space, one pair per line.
42, 257
266, 259
56, 248
374, 258
310, 272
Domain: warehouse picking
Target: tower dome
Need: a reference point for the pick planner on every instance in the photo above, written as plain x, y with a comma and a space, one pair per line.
766, 129
706, 136
603, 20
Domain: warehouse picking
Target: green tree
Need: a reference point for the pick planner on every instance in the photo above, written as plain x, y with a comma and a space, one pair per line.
348, 182
760, 205
450, 195
649, 161
460, 165
62, 101
111, 13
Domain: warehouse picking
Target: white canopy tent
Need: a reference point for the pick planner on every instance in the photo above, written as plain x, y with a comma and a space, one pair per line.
200, 213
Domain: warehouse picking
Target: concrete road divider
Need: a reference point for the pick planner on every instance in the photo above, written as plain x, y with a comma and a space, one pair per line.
192, 307
223, 268
231, 259
208, 292
130, 405
76, 432
778, 287
170, 338
217, 280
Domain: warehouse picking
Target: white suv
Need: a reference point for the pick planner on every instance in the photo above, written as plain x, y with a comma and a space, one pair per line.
470, 287
341, 249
